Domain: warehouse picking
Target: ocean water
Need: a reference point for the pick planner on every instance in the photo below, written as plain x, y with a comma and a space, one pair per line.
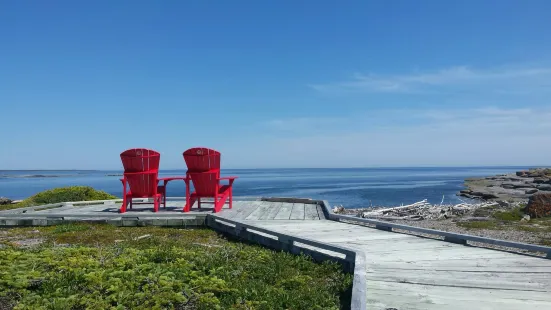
353, 188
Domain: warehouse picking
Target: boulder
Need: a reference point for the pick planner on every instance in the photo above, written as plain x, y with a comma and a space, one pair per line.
484, 195
522, 173
539, 205
540, 180
544, 187
531, 191
525, 218
5, 201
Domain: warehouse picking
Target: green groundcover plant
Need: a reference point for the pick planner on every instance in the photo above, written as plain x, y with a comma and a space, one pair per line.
87, 266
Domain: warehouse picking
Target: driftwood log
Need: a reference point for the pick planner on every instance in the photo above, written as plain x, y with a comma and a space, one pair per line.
417, 211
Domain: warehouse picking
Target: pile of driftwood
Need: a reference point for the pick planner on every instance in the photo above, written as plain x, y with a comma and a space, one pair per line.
417, 211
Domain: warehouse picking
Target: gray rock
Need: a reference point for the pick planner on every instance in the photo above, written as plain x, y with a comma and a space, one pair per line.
5, 201
540, 180
503, 203
484, 195
525, 218
531, 191
544, 187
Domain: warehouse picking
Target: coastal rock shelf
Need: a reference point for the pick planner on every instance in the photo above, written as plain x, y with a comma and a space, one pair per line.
518, 186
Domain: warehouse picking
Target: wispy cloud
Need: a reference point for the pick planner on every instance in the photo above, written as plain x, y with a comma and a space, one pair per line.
505, 80
475, 136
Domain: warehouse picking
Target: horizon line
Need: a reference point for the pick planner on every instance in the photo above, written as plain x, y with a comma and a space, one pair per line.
290, 168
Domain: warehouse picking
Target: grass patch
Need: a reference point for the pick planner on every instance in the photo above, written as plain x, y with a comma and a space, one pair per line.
108, 267
478, 225
485, 211
513, 215
70, 228
530, 228
62, 194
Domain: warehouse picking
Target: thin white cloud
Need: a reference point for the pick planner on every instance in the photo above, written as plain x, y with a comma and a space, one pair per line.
505, 80
307, 124
471, 137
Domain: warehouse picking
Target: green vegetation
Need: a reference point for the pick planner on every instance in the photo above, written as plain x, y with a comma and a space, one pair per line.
485, 211
478, 225
87, 266
63, 194
512, 215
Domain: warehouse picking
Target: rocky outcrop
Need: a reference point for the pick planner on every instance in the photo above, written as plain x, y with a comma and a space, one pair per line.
539, 205
544, 187
515, 187
535, 173
5, 201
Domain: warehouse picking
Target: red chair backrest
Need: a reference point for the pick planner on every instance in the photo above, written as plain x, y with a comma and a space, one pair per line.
140, 160
141, 169
205, 183
142, 184
201, 159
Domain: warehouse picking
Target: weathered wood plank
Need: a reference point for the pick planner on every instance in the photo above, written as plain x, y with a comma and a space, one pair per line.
284, 212
384, 295
247, 210
466, 279
262, 208
272, 211
311, 212
237, 207
297, 213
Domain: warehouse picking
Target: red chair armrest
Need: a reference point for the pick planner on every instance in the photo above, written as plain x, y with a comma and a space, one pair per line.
230, 179
172, 178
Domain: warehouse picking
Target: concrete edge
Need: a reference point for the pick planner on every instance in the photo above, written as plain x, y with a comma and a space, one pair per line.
448, 236
354, 261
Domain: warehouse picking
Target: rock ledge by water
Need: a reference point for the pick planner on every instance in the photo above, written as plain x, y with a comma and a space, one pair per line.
519, 186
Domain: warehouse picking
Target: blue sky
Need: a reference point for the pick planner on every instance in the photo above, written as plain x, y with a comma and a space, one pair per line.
276, 83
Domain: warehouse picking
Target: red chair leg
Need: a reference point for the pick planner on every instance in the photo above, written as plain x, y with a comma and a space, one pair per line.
231, 197
156, 202
123, 206
189, 203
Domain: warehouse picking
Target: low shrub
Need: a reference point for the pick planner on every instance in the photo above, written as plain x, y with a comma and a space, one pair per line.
513, 215
62, 194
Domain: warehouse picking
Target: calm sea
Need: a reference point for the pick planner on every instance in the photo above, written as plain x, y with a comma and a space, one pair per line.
353, 188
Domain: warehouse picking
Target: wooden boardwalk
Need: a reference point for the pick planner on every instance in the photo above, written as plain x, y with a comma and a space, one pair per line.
409, 272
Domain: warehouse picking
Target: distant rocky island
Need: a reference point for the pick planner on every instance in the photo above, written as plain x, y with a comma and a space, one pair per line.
19, 176
519, 186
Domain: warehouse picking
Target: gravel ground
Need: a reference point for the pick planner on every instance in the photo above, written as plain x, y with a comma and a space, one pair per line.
504, 233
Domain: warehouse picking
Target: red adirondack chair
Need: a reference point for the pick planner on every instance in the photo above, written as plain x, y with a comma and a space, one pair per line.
141, 171
204, 172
